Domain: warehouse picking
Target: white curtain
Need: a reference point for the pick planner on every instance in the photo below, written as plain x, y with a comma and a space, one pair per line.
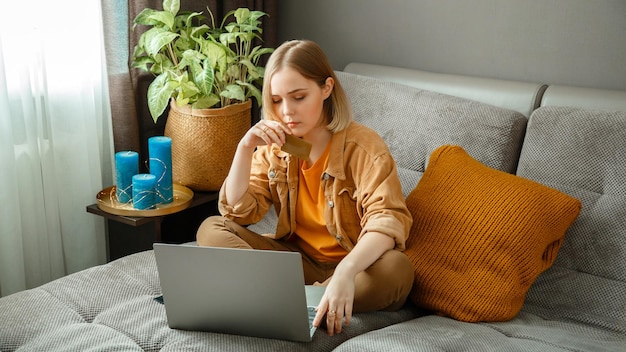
55, 140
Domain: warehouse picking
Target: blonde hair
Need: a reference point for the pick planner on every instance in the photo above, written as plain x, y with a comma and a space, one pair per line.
309, 60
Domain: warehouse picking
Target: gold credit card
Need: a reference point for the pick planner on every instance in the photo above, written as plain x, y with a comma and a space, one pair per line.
297, 147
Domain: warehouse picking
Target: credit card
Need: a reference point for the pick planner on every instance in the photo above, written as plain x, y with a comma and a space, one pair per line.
297, 147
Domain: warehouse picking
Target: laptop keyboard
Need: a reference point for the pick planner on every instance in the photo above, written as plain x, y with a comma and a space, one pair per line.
312, 313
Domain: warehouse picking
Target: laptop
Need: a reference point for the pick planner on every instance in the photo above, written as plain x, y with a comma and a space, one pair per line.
257, 293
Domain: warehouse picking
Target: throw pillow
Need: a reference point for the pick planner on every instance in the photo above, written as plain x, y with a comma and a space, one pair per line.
480, 237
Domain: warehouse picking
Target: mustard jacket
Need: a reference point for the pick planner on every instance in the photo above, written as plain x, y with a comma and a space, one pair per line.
361, 186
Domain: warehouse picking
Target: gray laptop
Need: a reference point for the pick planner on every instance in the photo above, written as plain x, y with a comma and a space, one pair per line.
236, 291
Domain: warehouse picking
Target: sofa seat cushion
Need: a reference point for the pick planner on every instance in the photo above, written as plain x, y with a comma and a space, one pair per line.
112, 307
525, 333
480, 236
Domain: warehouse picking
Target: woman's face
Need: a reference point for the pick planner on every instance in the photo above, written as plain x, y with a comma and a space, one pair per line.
298, 102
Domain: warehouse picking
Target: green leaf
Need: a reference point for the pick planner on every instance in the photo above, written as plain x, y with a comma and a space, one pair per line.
252, 71
255, 15
233, 92
142, 63
159, 94
242, 15
252, 91
232, 28
216, 55
172, 6
206, 102
191, 58
139, 48
185, 20
228, 38
197, 33
247, 37
202, 74
187, 88
204, 79
233, 71
258, 51
261, 71
157, 38
161, 63
181, 100
145, 18
161, 19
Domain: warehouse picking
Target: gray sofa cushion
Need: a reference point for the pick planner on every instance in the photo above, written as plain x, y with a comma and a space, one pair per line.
525, 333
112, 307
582, 153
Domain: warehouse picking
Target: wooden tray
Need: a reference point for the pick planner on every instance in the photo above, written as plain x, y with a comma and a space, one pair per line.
107, 201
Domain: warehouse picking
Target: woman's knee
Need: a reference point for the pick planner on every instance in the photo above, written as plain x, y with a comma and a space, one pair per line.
386, 284
207, 227
218, 231
398, 264
394, 269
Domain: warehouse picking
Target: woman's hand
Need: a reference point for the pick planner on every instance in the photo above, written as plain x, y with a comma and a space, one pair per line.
265, 132
338, 300
336, 304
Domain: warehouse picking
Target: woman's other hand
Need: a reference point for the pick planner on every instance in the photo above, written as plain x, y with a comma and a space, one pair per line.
265, 132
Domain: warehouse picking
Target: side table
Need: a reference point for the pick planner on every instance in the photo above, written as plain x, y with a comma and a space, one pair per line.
127, 234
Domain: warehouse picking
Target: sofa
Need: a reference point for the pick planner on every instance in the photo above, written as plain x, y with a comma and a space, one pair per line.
569, 142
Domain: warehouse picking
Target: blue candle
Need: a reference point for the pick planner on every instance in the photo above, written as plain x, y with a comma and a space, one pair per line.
144, 191
160, 151
126, 166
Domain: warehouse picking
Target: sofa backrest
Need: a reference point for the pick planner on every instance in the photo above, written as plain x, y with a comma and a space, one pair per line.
523, 97
582, 152
414, 122
587, 98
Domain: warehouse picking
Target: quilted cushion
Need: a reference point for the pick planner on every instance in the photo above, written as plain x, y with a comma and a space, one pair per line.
524, 333
111, 307
582, 152
481, 236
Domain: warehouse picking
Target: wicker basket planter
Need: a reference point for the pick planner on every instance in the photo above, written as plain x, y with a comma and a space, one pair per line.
204, 142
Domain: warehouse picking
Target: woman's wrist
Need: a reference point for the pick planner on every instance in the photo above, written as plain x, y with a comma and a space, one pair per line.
243, 148
346, 268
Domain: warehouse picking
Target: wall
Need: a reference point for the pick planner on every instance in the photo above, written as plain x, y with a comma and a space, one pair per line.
571, 42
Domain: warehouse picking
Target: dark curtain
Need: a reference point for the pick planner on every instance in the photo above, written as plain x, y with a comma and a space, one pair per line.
132, 123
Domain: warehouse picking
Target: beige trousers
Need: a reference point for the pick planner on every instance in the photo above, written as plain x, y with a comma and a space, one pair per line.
385, 285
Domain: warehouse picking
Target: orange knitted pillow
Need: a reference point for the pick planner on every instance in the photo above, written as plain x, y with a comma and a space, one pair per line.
480, 236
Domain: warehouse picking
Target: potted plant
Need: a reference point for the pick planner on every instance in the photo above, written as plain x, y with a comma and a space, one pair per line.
208, 75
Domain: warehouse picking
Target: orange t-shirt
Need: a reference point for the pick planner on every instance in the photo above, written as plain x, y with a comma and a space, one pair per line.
311, 233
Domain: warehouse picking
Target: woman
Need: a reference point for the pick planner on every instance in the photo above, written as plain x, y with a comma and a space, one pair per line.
342, 207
